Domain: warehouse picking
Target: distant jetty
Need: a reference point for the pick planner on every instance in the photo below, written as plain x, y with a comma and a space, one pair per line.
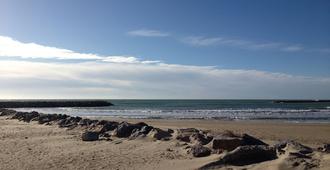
301, 101
54, 103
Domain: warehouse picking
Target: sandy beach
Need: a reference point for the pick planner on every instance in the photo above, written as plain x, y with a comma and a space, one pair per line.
37, 146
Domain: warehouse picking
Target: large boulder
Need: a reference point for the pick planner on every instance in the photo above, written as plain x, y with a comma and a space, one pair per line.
249, 154
69, 122
199, 138
159, 134
184, 134
199, 150
250, 140
125, 129
326, 148
226, 143
244, 155
108, 126
90, 136
294, 147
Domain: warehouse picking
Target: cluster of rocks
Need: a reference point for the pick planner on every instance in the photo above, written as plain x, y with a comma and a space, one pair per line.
94, 129
239, 149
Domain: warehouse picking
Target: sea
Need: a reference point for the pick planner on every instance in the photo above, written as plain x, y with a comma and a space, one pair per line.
234, 110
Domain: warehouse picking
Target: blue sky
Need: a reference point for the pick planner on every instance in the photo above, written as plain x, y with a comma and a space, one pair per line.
290, 38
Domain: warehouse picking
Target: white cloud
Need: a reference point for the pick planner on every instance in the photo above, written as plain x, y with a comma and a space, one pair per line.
130, 77
13, 48
25, 79
148, 33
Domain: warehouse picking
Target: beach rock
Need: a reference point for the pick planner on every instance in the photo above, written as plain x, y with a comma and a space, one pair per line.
85, 122
226, 143
199, 138
146, 129
7, 112
184, 134
244, 155
108, 126
102, 122
293, 146
249, 154
90, 136
250, 140
159, 134
69, 122
141, 133
326, 148
199, 150
123, 130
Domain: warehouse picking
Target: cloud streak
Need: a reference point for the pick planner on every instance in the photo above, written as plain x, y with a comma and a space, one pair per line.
13, 48
148, 33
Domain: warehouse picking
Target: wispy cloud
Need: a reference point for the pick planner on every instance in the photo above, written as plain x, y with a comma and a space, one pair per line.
148, 33
293, 48
245, 44
13, 48
207, 41
201, 41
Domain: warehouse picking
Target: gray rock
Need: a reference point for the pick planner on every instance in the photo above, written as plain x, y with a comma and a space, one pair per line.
90, 136
199, 138
159, 134
108, 126
125, 129
226, 143
199, 151
250, 140
326, 148
244, 155
297, 147
184, 134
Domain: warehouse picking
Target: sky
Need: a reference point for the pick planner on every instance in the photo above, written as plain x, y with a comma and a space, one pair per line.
153, 49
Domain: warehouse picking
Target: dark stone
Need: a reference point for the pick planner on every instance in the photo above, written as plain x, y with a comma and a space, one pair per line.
226, 143
326, 148
25, 116
200, 151
108, 126
90, 136
184, 134
295, 146
159, 134
170, 131
146, 129
69, 122
124, 130
244, 155
199, 138
250, 140
7, 112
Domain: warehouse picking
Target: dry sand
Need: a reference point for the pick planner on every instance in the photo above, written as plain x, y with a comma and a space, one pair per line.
33, 146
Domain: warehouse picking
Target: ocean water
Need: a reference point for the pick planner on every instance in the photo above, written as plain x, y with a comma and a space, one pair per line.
204, 109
